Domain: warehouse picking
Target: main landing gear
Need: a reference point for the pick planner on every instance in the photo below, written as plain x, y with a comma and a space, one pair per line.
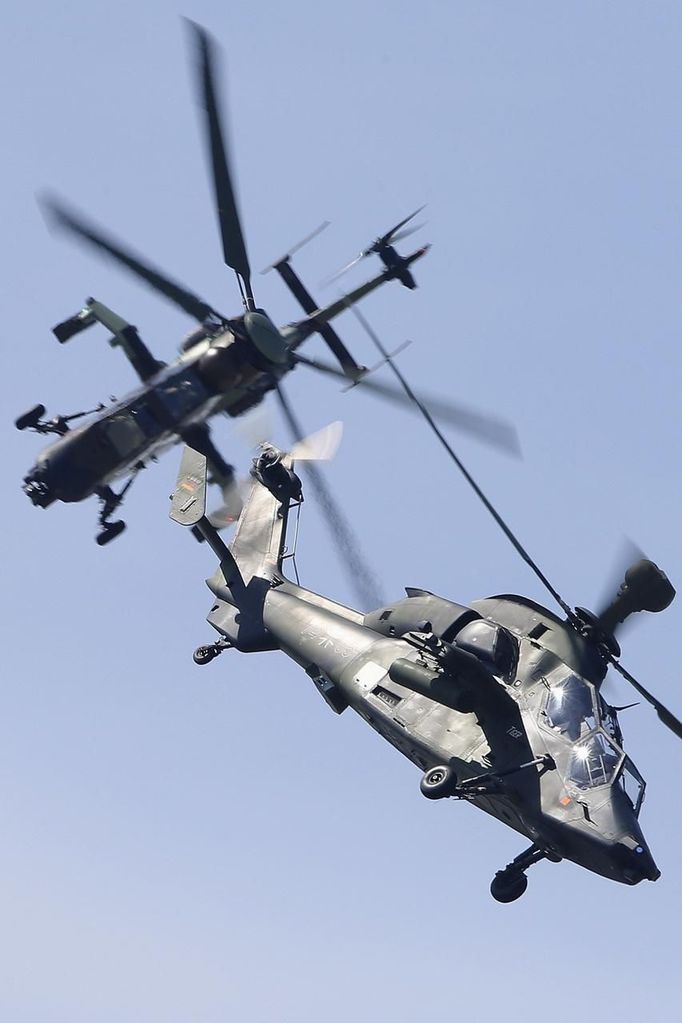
110, 501
440, 782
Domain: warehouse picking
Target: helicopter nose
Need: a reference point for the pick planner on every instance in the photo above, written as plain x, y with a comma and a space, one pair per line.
37, 487
636, 864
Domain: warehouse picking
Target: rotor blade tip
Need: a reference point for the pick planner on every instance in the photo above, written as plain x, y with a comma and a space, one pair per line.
54, 213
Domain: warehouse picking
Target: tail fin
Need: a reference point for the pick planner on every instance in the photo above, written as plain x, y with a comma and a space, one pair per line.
252, 561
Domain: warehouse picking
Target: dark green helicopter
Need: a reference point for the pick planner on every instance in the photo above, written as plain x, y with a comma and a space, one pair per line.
226, 365
498, 702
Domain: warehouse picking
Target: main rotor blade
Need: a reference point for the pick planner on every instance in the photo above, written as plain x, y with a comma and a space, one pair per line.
234, 248
361, 579
68, 220
344, 269
516, 544
665, 715
483, 427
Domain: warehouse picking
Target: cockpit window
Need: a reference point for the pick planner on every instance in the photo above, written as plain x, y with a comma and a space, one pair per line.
569, 708
632, 784
593, 762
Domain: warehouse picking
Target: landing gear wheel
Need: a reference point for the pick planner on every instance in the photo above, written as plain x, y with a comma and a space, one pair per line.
438, 782
30, 418
204, 654
110, 532
508, 887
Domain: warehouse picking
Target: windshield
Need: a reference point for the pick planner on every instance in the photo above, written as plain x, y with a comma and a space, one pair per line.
593, 755
593, 762
632, 784
569, 708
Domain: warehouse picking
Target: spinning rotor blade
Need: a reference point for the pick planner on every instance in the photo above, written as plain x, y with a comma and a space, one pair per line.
362, 581
645, 588
234, 248
394, 235
516, 544
391, 236
406, 233
68, 220
628, 552
484, 428
299, 245
320, 446
344, 269
665, 716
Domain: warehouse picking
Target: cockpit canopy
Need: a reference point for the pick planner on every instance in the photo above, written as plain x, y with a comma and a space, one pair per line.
569, 708
594, 756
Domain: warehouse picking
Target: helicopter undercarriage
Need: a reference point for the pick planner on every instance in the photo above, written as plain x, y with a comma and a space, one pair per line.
110, 501
441, 782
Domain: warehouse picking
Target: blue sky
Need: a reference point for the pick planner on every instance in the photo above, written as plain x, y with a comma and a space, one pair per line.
209, 844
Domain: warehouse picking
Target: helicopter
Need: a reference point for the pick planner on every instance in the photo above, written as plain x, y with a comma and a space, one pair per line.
498, 702
227, 365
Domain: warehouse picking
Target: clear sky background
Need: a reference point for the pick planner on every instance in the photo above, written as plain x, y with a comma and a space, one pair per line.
213, 844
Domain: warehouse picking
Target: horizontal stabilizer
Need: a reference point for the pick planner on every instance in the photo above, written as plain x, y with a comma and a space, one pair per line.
188, 501
67, 329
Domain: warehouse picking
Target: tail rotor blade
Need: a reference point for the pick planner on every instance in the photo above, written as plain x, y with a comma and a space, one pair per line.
391, 235
394, 235
234, 247
320, 446
68, 220
407, 232
361, 579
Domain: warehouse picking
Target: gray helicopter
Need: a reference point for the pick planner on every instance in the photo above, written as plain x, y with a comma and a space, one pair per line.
497, 702
227, 365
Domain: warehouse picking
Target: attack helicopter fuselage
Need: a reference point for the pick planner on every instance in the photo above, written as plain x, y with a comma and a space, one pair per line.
225, 365
497, 703
223, 370
584, 808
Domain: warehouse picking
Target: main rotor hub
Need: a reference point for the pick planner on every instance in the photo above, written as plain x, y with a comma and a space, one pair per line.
591, 627
266, 337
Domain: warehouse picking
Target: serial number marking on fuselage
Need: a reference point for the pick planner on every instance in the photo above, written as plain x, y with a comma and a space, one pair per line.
325, 642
